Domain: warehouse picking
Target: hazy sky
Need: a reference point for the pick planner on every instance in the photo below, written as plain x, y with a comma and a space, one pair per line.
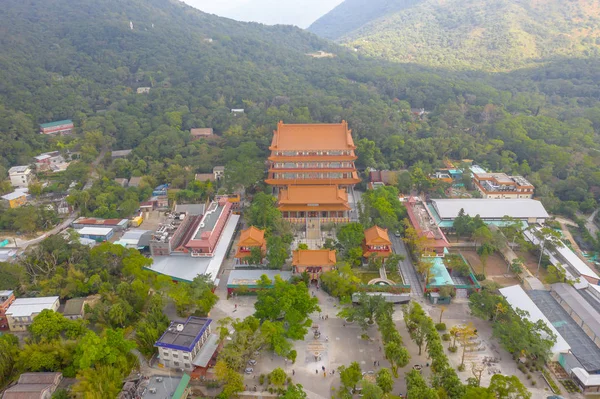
292, 12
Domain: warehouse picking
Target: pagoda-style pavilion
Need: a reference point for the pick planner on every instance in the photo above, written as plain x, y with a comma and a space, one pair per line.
317, 157
250, 238
377, 242
313, 261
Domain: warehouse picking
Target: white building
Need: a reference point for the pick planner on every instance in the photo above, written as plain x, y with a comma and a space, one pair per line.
179, 346
22, 311
20, 176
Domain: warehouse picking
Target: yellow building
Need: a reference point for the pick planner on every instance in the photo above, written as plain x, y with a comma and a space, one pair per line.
15, 199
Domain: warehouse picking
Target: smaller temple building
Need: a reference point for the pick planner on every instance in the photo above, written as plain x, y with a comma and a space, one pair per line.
313, 261
250, 238
377, 242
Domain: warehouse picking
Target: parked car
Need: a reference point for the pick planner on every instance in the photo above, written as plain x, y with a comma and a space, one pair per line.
249, 370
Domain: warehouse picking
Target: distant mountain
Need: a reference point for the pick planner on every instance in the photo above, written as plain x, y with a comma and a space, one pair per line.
466, 34
353, 14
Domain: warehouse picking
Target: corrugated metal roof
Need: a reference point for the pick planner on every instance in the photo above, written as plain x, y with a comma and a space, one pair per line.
56, 123
579, 305
95, 231
22, 307
518, 298
206, 351
490, 208
251, 276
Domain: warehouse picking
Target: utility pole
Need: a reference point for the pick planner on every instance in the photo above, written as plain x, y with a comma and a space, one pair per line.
537, 273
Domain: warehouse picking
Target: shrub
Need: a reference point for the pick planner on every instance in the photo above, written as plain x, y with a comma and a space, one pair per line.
533, 382
480, 276
446, 337
261, 379
453, 349
461, 367
528, 376
440, 326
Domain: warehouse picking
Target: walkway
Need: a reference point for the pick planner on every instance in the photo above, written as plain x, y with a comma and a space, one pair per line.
407, 269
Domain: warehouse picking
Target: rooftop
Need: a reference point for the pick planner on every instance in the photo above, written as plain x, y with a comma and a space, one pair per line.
424, 222
582, 346
299, 195
185, 334
101, 222
209, 221
313, 257
318, 136
518, 298
74, 307
204, 177
95, 231
5, 294
252, 237
207, 351
120, 153
207, 131
18, 169
56, 123
490, 208
135, 181
376, 235
14, 195
250, 277
137, 237
31, 385
190, 209
186, 268
579, 305
164, 386
23, 307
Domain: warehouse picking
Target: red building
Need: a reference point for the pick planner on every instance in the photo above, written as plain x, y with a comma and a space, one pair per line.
57, 127
424, 223
377, 242
207, 232
6, 299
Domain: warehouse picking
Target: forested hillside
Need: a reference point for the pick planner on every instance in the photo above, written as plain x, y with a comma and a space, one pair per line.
58, 61
467, 34
352, 14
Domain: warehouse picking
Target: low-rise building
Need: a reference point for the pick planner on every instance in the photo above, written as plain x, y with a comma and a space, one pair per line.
502, 186
16, 198
187, 342
20, 176
328, 203
6, 299
219, 172
22, 311
136, 239
204, 177
99, 234
250, 238
201, 133
57, 127
121, 181
313, 261
377, 242
34, 386
47, 160
135, 181
74, 308
424, 223
143, 90
115, 224
208, 231
249, 280
120, 154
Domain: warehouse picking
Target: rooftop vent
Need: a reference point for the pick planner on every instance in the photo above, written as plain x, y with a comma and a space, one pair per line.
179, 327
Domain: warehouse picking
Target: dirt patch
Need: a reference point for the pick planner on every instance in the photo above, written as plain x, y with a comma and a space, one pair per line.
495, 268
531, 263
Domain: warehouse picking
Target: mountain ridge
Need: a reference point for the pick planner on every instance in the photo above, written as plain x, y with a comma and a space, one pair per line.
470, 34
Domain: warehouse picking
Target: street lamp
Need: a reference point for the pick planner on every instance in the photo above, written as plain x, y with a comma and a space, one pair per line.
537, 273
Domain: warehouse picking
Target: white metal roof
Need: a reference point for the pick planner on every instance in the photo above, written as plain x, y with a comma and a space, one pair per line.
251, 276
18, 169
207, 351
95, 231
490, 208
518, 298
569, 256
187, 267
589, 380
14, 195
22, 307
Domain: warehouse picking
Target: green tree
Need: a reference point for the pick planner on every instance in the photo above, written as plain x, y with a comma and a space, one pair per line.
9, 350
371, 391
350, 237
99, 382
291, 303
263, 212
385, 380
51, 325
256, 256
277, 252
278, 376
350, 376
505, 387
294, 391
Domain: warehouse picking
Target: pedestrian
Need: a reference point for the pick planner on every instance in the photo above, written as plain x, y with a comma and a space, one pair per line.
333, 371
374, 363
380, 349
236, 306
254, 377
317, 371
344, 324
327, 316
293, 372
378, 364
323, 368
324, 374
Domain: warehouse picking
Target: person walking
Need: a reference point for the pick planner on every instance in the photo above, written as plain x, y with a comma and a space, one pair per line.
293, 372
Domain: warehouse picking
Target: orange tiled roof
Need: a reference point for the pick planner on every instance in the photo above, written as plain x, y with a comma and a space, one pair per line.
325, 194
201, 132
252, 237
377, 236
315, 136
313, 257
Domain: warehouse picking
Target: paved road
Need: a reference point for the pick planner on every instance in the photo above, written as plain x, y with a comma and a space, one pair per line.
591, 226
66, 223
407, 268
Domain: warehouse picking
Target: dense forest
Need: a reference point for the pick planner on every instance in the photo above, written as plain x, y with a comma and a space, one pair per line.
86, 62
489, 35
